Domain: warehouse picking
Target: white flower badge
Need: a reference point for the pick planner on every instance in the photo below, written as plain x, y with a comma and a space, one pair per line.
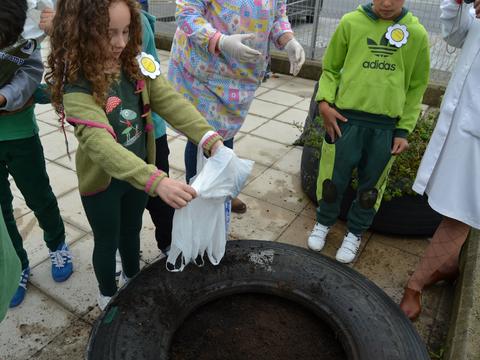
397, 35
148, 65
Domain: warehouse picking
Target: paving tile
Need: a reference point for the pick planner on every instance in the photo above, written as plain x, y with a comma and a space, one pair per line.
298, 231
261, 90
294, 117
310, 210
149, 251
266, 109
411, 245
290, 162
31, 326
260, 150
303, 105
50, 117
177, 174
70, 344
262, 221
72, 211
280, 97
276, 80
278, 131
67, 162
278, 188
300, 87
177, 151
252, 122
62, 180
80, 291
171, 132
54, 145
257, 170
44, 128
43, 108
32, 236
390, 268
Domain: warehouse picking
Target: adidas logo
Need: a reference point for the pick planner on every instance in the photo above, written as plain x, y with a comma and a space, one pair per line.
382, 49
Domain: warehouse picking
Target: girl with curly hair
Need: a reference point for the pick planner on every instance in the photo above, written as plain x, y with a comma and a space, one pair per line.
107, 90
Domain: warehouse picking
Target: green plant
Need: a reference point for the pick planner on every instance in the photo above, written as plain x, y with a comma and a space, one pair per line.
404, 169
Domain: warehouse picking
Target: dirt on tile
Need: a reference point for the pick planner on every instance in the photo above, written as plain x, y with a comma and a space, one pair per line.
254, 326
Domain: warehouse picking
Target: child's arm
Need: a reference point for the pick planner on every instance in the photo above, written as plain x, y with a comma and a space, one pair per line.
281, 25
416, 89
332, 65
23, 84
179, 112
102, 148
454, 27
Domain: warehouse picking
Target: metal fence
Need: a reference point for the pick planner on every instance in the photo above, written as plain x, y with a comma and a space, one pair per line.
314, 22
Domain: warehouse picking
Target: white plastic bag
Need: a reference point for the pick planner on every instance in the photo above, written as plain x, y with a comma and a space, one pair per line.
31, 29
202, 226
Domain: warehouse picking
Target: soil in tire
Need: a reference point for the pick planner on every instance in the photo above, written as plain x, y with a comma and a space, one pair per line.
255, 326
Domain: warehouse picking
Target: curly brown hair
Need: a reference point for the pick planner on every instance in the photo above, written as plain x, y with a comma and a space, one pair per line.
80, 45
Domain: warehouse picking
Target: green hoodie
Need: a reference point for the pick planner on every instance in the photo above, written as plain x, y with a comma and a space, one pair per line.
364, 74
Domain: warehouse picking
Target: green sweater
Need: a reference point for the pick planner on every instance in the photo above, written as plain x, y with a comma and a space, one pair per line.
100, 157
363, 72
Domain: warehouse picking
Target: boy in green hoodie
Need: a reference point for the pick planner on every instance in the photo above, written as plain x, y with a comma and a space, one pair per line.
375, 71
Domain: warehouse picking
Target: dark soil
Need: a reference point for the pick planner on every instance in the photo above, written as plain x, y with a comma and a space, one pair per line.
255, 326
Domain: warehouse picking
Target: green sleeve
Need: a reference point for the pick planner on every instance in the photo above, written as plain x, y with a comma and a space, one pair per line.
101, 147
10, 269
333, 61
176, 110
416, 89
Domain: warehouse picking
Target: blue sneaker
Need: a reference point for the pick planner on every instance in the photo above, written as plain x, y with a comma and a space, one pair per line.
22, 288
62, 266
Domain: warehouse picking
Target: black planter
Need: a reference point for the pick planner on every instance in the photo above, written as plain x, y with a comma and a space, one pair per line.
405, 215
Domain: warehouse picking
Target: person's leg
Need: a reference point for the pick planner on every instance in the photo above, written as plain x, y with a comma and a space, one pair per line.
160, 212
439, 262
132, 207
103, 212
27, 167
190, 157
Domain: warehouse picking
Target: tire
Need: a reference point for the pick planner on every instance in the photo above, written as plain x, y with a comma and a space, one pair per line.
142, 318
405, 215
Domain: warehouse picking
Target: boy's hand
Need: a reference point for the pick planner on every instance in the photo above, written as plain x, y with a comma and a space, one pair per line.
46, 20
476, 5
2, 100
175, 193
399, 145
330, 117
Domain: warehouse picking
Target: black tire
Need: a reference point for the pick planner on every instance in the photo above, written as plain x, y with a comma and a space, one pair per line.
406, 215
141, 320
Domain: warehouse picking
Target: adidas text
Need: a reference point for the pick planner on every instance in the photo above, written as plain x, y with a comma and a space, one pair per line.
380, 65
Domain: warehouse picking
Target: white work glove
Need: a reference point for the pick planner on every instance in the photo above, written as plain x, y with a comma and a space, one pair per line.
232, 46
296, 55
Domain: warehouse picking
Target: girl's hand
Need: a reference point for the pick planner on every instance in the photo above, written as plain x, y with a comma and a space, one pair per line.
216, 146
399, 145
46, 20
330, 117
175, 193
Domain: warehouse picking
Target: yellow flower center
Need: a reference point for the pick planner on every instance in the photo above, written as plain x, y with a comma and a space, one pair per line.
397, 35
148, 64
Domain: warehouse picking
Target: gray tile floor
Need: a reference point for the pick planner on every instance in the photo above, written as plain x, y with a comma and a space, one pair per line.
55, 319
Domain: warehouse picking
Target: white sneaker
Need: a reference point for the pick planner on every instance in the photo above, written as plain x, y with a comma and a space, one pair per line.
316, 240
103, 301
123, 280
349, 249
118, 265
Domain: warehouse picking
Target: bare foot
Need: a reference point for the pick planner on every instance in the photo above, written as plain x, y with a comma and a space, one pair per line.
411, 303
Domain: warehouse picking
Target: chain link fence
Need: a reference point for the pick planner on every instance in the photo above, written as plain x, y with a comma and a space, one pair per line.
314, 22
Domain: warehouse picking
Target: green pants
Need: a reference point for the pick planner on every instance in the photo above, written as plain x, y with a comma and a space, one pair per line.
115, 216
366, 149
23, 159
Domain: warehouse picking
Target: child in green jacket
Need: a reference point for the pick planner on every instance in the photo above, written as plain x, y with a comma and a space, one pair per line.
108, 90
375, 71
21, 152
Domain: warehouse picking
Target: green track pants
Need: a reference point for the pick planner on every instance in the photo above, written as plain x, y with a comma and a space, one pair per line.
366, 149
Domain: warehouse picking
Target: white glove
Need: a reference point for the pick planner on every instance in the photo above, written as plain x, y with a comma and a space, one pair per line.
232, 46
296, 55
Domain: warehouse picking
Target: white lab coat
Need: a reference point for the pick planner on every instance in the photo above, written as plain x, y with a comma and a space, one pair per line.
450, 169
